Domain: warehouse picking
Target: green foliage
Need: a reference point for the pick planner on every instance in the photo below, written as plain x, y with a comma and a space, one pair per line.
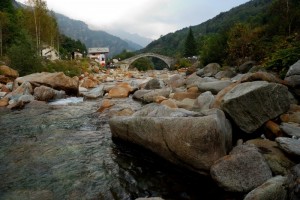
23, 56
70, 68
68, 45
190, 46
124, 55
213, 48
143, 64
183, 63
285, 54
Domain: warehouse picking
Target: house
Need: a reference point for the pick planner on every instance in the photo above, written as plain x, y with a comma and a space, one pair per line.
76, 55
98, 54
49, 53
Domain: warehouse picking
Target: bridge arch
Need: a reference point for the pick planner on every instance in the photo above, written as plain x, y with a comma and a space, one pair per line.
127, 62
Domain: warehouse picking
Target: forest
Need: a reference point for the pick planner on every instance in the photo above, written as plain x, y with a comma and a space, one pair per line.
26, 30
264, 31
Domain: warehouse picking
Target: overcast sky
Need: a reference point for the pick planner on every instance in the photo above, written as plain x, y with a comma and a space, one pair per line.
148, 18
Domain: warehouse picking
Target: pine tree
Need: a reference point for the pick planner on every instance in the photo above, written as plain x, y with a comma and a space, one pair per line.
190, 47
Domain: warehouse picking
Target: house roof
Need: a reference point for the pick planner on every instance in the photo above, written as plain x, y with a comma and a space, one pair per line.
99, 50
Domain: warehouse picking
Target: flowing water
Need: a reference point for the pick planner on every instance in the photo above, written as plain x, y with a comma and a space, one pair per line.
64, 150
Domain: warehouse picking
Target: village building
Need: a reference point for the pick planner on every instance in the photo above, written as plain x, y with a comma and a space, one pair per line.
49, 53
76, 55
98, 54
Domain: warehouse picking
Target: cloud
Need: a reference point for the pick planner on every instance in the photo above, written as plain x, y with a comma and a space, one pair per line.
148, 18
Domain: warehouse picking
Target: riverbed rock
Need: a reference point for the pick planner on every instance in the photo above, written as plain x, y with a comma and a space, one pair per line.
149, 97
153, 84
245, 67
214, 87
176, 81
44, 93
294, 183
149, 198
88, 83
106, 103
293, 77
242, 170
183, 95
261, 76
251, 104
272, 189
209, 70
170, 103
57, 80
118, 92
24, 89
26, 98
4, 102
289, 145
228, 73
94, 93
8, 72
291, 129
193, 142
204, 101
277, 160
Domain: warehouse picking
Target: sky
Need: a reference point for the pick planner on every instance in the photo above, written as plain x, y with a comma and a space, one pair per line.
147, 18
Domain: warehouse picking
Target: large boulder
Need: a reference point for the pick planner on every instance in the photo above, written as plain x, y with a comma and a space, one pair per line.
293, 77
44, 93
192, 142
277, 160
209, 70
251, 104
94, 93
289, 145
214, 87
273, 189
57, 80
242, 170
8, 72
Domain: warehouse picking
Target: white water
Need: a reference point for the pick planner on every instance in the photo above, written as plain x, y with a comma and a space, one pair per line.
67, 101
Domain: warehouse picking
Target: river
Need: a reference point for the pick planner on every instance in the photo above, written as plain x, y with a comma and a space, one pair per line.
65, 151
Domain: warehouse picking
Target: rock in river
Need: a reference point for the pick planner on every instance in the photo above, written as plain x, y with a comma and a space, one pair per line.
58, 81
193, 142
251, 104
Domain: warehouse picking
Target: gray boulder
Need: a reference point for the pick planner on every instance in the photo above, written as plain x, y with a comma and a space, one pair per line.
150, 96
245, 67
242, 170
291, 129
225, 74
294, 183
153, 84
289, 145
193, 142
204, 101
273, 189
277, 160
214, 87
94, 93
293, 77
209, 70
251, 104
44, 93
58, 81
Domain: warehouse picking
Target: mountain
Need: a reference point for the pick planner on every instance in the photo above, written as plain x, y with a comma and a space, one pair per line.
143, 41
173, 43
79, 30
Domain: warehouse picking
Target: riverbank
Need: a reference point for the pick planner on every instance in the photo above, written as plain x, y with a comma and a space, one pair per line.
239, 129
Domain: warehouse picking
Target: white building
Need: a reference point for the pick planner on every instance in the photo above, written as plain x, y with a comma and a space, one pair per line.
98, 54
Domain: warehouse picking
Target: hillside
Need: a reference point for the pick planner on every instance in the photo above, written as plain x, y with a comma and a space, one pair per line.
80, 31
172, 43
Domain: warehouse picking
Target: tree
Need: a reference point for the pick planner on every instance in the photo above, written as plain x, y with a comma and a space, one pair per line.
190, 46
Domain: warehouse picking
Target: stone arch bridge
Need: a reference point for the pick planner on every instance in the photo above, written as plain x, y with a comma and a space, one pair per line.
124, 64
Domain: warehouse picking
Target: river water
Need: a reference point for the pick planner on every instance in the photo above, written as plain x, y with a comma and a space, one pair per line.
65, 151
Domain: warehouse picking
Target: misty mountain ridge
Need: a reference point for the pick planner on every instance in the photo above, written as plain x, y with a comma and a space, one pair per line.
79, 30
